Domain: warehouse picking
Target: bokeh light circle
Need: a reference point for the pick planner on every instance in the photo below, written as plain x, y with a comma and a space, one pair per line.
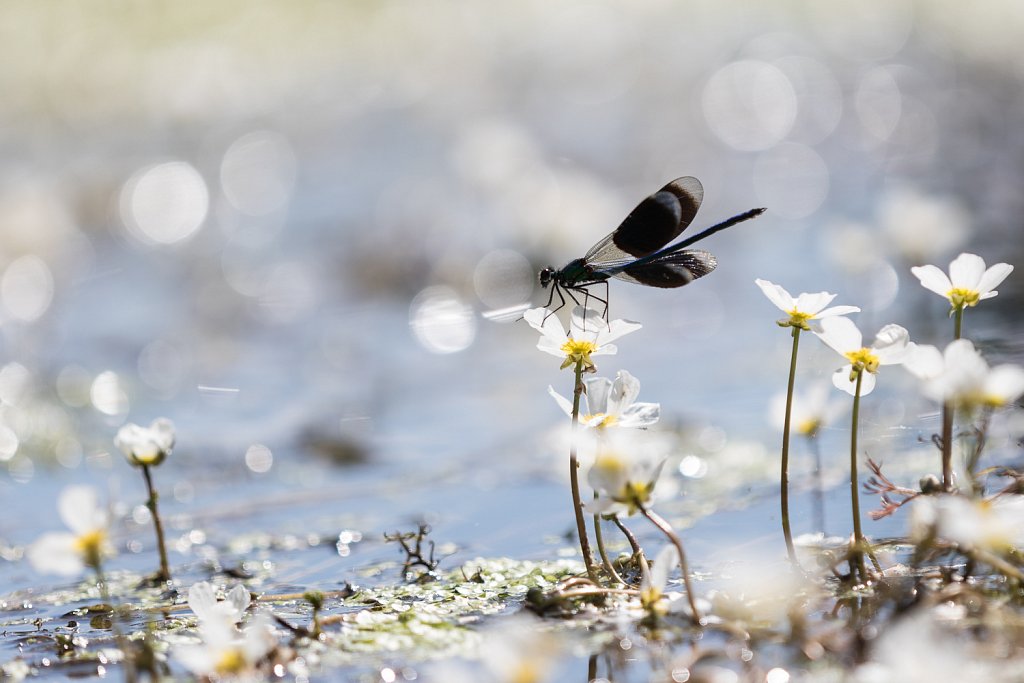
441, 321
749, 105
165, 203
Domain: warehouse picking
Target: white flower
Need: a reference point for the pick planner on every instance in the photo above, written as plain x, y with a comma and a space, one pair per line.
654, 581
519, 648
989, 525
968, 281
961, 376
612, 404
622, 481
812, 409
589, 334
146, 445
804, 307
87, 544
891, 347
204, 603
226, 654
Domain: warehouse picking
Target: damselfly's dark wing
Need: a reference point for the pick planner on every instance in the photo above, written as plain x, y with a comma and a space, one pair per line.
655, 222
674, 269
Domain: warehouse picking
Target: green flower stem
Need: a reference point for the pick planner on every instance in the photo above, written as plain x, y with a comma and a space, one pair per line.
787, 532
574, 478
857, 557
958, 321
634, 544
666, 529
165, 573
599, 536
947, 446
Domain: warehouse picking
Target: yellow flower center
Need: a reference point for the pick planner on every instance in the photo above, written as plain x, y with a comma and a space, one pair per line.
578, 351
809, 427
231, 662
525, 671
90, 546
960, 297
862, 359
650, 600
797, 318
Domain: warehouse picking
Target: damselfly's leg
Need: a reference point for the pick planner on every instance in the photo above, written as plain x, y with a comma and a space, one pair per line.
554, 288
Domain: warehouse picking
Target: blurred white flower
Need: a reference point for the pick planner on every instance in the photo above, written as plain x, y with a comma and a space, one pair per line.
226, 654
589, 335
890, 347
513, 649
68, 553
916, 649
812, 409
804, 307
993, 525
146, 445
961, 376
968, 281
623, 480
922, 227
204, 603
655, 579
612, 404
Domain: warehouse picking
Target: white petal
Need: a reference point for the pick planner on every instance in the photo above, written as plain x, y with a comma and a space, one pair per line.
664, 562
776, 294
604, 506
547, 323
892, 344
79, 508
1005, 382
813, 303
598, 389
259, 638
925, 362
625, 390
202, 600
841, 380
605, 350
840, 334
837, 310
993, 277
163, 434
552, 346
563, 403
55, 553
618, 328
966, 270
640, 415
933, 279
239, 599
587, 324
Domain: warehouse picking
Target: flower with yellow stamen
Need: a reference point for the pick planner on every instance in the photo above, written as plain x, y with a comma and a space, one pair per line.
612, 403
804, 308
891, 346
87, 543
623, 483
960, 375
589, 335
968, 282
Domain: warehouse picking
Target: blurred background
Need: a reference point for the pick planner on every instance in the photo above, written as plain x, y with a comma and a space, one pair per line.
292, 228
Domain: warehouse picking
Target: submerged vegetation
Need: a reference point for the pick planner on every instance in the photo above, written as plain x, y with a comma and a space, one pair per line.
841, 608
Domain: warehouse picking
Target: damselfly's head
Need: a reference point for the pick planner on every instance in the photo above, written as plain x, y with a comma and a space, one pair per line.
545, 276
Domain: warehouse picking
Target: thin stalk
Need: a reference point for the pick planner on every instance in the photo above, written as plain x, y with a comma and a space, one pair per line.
638, 552
574, 479
857, 556
787, 532
666, 529
608, 566
947, 415
947, 446
130, 675
819, 485
165, 573
980, 437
